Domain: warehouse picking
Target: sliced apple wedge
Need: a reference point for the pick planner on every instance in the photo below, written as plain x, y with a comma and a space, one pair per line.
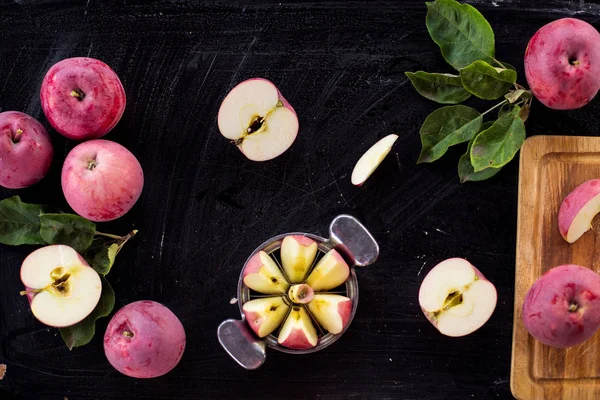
65, 288
331, 311
258, 119
578, 210
456, 298
297, 255
266, 314
298, 331
369, 161
263, 275
330, 272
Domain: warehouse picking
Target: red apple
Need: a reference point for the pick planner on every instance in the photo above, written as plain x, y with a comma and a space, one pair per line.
101, 180
25, 150
578, 209
82, 98
562, 308
144, 339
562, 63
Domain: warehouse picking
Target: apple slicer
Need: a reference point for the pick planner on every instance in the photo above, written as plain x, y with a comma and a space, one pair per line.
298, 312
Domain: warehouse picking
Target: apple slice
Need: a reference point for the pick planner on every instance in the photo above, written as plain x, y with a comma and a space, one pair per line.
258, 119
369, 161
298, 331
297, 255
266, 314
330, 272
578, 210
66, 289
263, 275
456, 298
331, 311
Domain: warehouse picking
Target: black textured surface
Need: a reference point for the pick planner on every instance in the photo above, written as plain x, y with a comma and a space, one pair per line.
205, 207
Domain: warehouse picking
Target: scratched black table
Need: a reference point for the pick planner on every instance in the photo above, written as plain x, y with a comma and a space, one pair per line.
205, 207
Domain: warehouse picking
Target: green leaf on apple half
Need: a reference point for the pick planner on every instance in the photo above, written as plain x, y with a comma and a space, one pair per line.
465, 169
20, 222
441, 88
487, 82
497, 145
462, 33
445, 127
83, 332
71, 230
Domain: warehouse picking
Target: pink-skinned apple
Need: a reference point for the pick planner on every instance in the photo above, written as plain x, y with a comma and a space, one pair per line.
578, 209
82, 98
258, 119
298, 332
264, 315
330, 272
331, 311
25, 150
297, 255
562, 308
144, 339
263, 275
101, 180
562, 63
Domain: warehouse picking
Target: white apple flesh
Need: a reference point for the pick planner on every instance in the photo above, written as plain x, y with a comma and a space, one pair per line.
368, 163
266, 314
330, 272
456, 298
258, 119
263, 275
298, 331
65, 288
578, 210
297, 256
331, 311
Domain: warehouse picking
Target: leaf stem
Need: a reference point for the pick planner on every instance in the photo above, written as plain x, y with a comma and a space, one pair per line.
496, 106
108, 235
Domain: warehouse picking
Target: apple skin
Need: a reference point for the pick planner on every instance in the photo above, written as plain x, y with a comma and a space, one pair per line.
88, 117
157, 343
107, 191
549, 69
572, 205
546, 312
28, 160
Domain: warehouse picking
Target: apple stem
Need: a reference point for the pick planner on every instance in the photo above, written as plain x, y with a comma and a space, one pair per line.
573, 307
26, 292
78, 94
92, 164
127, 334
16, 137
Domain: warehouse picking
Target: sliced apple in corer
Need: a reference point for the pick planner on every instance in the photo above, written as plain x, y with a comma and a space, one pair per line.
456, 298
369, 161
65, 288
298, 331
266, 314
330, 272
297, 256
331, 311
258, 119
263, 275
578, 210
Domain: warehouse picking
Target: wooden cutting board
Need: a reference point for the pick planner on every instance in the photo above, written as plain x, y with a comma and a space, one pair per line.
551, 166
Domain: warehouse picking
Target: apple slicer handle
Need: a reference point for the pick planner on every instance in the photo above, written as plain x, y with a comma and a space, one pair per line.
353, 240
241, 344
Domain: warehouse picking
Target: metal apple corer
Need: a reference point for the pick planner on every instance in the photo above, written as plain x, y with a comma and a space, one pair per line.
298, 303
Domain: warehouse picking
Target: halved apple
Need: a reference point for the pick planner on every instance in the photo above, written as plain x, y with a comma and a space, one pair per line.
297, 255
331, 311
456, 298
266, 314
263, 275
298, 331
369, 161
258, 119
65, 288
578, 210
330, 272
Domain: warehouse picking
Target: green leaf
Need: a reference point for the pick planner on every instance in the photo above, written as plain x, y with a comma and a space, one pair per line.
461, 32
442, 88
497, 145
446, 127
83, 332
105, 258
465, 169
69, 229
518, 94
20, 222
487, 82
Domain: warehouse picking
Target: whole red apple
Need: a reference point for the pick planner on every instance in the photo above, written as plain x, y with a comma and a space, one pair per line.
25, 150
82, 98
144, 340
562, 63
562, 308
101, 180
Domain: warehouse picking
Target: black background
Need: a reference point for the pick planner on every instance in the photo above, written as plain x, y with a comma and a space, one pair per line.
205, 207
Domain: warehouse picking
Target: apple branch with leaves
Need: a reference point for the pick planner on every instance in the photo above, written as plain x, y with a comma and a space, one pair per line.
466, 41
